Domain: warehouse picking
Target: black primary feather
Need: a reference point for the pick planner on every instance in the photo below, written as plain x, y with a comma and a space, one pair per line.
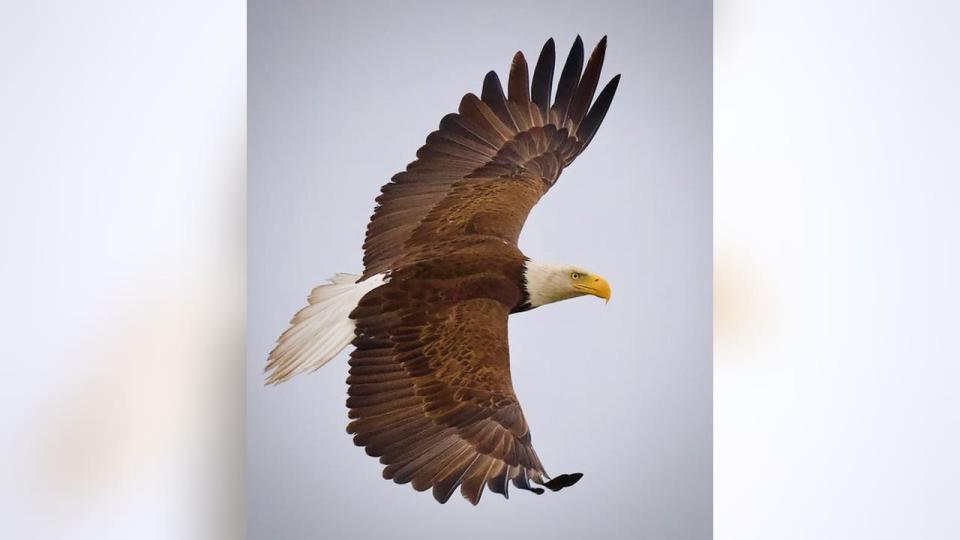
492, 95
588, 128
543, 78
588, 84
569, 79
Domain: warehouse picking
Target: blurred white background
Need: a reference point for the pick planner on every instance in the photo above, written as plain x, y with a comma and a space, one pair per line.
121, 219
122, 140
836, 182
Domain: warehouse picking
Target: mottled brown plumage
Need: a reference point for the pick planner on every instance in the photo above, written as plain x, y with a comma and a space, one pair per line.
429, 387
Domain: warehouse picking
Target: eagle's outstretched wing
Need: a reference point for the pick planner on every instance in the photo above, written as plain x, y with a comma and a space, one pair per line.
487, 165
431, 396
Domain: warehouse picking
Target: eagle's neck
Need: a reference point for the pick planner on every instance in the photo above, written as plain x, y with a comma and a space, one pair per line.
546, 282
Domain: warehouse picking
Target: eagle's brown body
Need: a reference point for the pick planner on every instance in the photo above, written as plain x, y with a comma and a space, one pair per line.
430, 392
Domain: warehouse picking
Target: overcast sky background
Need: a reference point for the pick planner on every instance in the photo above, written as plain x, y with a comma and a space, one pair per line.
340, 98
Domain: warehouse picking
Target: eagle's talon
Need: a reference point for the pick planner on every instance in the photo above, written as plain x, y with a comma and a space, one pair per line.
562, 481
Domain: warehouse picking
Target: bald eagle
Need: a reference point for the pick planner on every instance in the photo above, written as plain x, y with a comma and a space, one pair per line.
429, 386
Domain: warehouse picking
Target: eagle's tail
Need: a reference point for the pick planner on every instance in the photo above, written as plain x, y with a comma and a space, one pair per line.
319, 331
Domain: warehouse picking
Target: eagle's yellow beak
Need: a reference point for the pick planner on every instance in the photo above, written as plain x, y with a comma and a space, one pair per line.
596, 286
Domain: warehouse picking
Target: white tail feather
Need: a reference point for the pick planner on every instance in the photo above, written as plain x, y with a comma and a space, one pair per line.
322, 329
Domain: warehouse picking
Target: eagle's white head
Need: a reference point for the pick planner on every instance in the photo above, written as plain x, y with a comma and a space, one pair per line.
546, 283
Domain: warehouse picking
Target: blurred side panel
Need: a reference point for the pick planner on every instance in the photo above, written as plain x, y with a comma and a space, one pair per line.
122, 178
836, 265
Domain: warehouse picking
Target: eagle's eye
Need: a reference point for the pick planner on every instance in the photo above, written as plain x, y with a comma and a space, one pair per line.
575, 275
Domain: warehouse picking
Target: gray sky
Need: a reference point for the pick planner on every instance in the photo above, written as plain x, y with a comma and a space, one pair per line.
340, 98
